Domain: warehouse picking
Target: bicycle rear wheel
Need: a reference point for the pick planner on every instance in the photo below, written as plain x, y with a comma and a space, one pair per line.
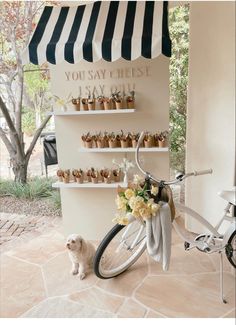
230, 249
120, 249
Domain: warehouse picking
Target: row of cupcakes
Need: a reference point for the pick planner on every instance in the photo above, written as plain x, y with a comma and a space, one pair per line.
115, 101
93, 175
124, 140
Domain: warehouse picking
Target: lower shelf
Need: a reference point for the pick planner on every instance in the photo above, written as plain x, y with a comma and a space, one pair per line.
87, 185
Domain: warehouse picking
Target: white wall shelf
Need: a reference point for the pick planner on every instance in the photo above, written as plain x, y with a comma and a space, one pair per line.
87, 185
95, 112
106, 150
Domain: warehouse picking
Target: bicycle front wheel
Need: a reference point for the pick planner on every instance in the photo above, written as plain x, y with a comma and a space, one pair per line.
230, 249
120, 249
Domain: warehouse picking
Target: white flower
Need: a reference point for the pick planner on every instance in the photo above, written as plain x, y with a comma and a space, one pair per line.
138, 179
125, 165
154, 190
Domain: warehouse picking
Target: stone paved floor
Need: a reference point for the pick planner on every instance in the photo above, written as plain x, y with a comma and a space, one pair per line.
36, 282
15, 229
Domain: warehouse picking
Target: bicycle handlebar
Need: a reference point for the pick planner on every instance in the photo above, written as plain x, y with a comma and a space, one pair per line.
175, 181
203, 172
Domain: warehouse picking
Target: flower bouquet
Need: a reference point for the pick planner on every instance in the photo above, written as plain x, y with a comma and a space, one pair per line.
134, 139
84, 104
116, 173
66, 176
124, 140
60, 174
88, 175
87, 140
91, 103
135, 202
112, 140
130, 99
105, 139
78, 175
148, 140
107, 176
76, 103
99, 139
100, 101
162, 139
101, 175
107, 103
118, 100
94, 176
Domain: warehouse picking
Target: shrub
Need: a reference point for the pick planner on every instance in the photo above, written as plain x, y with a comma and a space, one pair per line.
35, 188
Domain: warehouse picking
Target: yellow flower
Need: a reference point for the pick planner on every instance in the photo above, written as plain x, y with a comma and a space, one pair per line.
129, 193
121, 202
154, 190
145, 212
154, 208
136, 213
136, 202
138, 206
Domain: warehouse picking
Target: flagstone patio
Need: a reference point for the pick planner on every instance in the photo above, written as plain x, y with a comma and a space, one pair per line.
36, 282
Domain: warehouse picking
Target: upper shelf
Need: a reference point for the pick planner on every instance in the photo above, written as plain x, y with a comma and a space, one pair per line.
94, 112
153, 149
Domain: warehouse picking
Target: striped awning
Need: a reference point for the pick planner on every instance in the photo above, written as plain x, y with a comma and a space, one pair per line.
106, 30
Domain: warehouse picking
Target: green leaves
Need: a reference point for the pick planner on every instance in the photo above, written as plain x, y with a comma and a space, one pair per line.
179, 33
35, 188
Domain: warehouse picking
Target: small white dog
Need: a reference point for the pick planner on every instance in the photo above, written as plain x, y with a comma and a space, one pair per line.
81, 254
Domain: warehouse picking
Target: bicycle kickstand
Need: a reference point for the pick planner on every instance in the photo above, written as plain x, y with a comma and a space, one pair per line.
222, 279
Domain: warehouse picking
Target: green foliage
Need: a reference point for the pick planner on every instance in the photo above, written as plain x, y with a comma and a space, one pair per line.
28, 122
179, 33
36, 82
56, 199
35, 188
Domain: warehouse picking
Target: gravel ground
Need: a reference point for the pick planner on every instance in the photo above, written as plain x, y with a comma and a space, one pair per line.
37, 207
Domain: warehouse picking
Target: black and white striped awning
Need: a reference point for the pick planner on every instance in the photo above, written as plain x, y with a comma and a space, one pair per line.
105, 30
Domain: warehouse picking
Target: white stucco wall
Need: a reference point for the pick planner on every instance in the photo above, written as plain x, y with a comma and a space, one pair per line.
211, 107
90, 211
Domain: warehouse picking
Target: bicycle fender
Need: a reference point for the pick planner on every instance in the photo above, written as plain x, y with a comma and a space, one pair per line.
229, 232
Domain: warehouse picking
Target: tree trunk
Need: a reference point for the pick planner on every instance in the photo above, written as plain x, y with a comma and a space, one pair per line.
20, 170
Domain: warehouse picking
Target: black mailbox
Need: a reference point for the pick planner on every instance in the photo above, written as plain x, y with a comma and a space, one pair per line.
50, 151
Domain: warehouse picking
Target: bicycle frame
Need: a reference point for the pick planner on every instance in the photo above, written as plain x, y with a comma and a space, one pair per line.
213, 231
208, 245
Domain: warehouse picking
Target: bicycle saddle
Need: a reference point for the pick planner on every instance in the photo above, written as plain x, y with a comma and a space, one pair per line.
229, 195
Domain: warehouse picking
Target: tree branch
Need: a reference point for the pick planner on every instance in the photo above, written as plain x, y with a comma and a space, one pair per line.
36, 136
7, 143
11, 126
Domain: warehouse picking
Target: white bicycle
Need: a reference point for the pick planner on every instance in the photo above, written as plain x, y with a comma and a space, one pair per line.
123, 245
